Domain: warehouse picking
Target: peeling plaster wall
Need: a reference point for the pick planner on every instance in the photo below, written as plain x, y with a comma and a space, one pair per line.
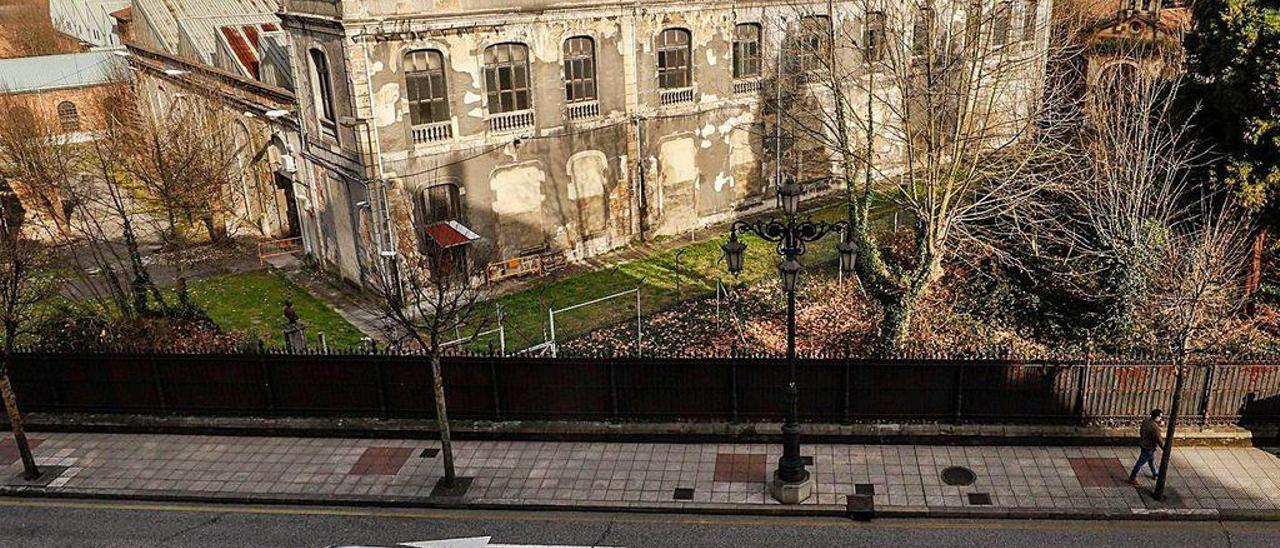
578, 186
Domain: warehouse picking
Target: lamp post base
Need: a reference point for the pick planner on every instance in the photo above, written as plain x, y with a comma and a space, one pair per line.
791, 493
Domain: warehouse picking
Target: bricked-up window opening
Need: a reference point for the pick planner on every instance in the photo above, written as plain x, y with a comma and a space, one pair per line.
506, 77
1001, 20
873, 37
922, 32
68, 116
746, 51
579, 69
425, 83
1030, 14
811, 44
324, 94
674, 56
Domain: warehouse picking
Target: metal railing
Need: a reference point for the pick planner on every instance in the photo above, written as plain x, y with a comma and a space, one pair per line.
510, 121
719, 389
435, 131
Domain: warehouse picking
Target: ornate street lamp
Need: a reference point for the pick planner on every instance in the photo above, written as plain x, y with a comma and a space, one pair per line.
791, 482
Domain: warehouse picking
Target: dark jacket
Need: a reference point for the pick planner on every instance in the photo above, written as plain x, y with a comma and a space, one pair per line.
1150, 433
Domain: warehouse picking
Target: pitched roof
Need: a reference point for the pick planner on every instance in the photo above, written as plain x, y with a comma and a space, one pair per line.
47, 72
198, 21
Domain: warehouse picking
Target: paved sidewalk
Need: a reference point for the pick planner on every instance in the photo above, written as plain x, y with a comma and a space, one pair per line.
1083, 481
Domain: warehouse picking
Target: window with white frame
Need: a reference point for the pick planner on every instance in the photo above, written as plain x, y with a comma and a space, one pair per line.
675, 69
746, 50
322, 82
579, 69
425, 87
506, 77
811, 42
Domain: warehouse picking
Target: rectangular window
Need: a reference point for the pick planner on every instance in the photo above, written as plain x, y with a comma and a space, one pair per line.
324, 94
674, 59
922, 32
1001, 20
579, 69
811, 44
425, 87
1030, 15
506, 76
873, 37
746, 51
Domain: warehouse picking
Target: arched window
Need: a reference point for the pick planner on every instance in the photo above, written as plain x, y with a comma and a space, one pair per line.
425, 87
1001, 21
746, 50
811, 43
922, 32
440, 203
873, 38
579, 69
68, 116
1030, 14
322, 84
506, 77
675, 70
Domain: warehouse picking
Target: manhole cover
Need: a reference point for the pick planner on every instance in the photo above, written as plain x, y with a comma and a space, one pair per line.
958, 476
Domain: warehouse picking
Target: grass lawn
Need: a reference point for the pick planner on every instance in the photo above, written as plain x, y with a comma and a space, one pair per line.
665, 279
253, 302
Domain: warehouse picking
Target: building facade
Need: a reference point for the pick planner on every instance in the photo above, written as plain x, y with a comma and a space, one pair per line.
89, 21
546, 130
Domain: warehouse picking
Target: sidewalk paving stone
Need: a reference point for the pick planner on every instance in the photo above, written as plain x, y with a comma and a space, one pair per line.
626, 475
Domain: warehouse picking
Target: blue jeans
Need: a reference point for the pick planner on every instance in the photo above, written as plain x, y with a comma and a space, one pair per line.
1147, 457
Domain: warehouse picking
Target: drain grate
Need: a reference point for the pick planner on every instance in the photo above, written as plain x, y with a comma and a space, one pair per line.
980, 499
683, 493
864, 489
429, 453
958, 476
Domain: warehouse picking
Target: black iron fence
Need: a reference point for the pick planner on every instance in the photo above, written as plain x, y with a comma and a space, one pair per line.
638, 389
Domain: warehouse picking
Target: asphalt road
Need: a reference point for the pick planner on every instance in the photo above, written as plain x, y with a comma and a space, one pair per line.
83, 524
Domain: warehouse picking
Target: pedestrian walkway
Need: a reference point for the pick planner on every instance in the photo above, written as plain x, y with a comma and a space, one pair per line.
902, 479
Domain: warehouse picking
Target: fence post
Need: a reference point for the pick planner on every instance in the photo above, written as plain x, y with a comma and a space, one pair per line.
381, 377
1082, 390
1206, 395
613, 388
497, 388
733, 381
157, 381
265, 367
848, 410
959, 395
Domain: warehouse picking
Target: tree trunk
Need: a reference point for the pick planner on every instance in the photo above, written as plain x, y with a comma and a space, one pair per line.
1253, 281
442, 417
29, 469
894, 324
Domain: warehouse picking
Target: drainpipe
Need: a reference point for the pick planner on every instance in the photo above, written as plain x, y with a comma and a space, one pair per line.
379, 213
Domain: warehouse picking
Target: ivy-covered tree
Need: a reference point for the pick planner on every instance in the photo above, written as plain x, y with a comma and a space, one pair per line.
1232, 93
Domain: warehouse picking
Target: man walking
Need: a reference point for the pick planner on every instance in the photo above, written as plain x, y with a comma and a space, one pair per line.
1150, 440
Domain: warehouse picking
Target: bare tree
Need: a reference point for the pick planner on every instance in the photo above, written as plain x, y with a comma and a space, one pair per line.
426, 298
931, 109
24, 284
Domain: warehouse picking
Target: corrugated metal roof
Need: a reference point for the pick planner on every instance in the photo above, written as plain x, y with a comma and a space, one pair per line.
199, 20
71, 70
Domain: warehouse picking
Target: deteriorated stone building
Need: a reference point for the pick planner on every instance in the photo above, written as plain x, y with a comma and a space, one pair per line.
545, 128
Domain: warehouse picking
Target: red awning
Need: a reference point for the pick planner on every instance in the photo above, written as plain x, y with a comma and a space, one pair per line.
447, 234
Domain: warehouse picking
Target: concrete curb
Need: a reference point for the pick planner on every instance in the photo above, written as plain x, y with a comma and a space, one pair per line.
722, 509
659, 432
